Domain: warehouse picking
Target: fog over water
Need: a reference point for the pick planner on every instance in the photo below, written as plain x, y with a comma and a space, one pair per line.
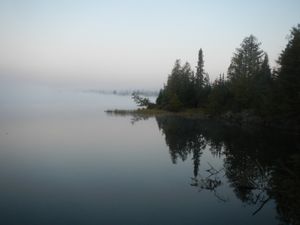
131, 44
65, 161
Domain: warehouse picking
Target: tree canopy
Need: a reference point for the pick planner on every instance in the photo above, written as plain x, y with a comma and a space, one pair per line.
250, 85
184, 88
288, 76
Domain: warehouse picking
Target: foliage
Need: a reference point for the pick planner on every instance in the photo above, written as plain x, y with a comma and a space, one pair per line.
249, 87
287, 82
202, 86
183, 88
175, 105
244, 74
140, 101
219, 96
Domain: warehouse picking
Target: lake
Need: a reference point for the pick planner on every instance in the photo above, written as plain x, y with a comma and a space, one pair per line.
65, 161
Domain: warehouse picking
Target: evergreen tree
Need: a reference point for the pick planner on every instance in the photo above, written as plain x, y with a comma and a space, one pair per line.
159, 99
202, 86
219, 96
250, 84
288, 77
141, 101
178, 92
262, 84
245, 66
265, 68
187, 94
247, 60
199, 79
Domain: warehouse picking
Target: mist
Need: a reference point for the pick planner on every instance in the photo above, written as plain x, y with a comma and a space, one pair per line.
130, 44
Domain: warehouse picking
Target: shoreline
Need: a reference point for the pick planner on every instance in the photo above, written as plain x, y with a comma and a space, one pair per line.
188, 113
243, 120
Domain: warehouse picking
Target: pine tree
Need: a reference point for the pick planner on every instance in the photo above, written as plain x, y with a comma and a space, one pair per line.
199, 79
265, 68
245, 66
262, 83
178, 93
247, 60
288, 76
202, 86
219, 96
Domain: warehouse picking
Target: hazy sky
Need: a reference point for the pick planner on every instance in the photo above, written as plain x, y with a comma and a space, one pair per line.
131, 44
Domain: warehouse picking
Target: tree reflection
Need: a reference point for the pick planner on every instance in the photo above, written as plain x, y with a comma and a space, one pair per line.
210, 182
183, 138
255, 162
258, 165
285, 189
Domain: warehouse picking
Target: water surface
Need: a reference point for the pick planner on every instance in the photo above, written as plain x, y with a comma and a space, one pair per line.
63, 160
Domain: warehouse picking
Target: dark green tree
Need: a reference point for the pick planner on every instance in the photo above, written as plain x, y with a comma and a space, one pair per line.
219, 97
178, 93
247, 60
186, 93
245, 65
262, 92
142, 102
202, 86
288, 77
159, 99
199, 79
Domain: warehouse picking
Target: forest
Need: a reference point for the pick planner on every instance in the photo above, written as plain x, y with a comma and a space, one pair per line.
250, 91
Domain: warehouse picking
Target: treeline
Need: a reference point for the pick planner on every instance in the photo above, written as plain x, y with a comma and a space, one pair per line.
250, 85
185, 88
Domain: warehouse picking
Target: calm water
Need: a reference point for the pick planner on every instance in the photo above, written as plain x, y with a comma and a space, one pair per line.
63, 160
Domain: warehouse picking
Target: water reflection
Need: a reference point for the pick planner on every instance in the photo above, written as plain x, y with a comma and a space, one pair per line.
257, 165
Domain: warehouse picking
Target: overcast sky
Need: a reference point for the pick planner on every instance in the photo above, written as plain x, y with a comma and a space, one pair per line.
131, 44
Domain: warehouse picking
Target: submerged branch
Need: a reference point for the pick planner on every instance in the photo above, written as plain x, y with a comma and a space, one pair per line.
261, 206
